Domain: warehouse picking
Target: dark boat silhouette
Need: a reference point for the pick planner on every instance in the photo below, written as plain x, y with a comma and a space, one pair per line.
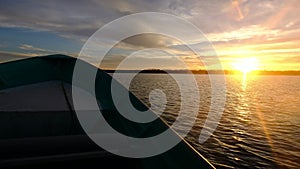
39, 128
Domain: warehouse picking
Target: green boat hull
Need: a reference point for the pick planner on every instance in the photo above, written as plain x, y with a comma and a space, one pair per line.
51, 136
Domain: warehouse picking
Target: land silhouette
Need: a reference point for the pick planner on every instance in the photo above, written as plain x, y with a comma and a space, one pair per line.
229, 72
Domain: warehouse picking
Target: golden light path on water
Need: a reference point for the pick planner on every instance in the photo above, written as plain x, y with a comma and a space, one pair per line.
260, 116
257, 128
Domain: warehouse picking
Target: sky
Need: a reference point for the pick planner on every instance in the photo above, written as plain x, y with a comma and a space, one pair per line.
267, 31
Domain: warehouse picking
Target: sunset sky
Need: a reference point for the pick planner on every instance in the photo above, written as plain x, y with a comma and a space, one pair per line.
265, 30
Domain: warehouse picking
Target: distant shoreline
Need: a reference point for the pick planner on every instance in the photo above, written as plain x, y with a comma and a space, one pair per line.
227, 72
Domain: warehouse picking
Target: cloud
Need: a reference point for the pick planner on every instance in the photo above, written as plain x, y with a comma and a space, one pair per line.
69, 18
265, 24
149, 41
82, 18
31, 48
10, 56
248, 32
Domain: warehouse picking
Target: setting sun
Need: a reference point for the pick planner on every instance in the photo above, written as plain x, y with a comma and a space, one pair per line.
246, 65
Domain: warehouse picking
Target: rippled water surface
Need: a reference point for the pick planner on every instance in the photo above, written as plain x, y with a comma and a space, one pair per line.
259, 128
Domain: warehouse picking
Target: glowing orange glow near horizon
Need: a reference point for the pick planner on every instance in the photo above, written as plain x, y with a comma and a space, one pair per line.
245, 65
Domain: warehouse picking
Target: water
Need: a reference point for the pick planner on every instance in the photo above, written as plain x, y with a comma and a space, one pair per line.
259, 128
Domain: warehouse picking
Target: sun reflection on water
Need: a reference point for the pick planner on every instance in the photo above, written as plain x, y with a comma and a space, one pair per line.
244, 81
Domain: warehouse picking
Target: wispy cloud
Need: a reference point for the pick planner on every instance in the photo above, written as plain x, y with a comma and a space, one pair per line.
31, 48
237, 28
10, 56
35, 51
248, 32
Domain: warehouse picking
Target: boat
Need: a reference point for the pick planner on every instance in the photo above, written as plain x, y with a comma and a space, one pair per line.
39, 127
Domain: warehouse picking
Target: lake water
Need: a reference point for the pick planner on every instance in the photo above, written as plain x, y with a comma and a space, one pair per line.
259, 128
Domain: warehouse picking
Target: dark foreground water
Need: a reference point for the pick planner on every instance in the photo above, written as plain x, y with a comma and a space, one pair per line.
259, 128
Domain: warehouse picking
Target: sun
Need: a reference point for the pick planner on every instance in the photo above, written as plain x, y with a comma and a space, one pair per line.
245, 65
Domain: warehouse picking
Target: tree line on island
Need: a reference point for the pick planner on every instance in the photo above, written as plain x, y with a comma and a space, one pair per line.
180, 71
